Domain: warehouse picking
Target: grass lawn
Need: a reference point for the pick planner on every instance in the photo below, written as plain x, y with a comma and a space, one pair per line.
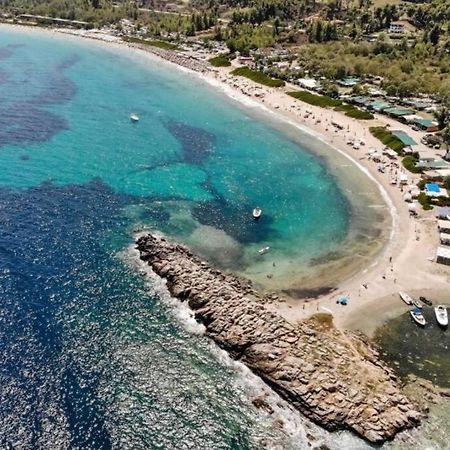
388, 139
355, 113
380, 3
409, 163
160, 44
314, 99
258, 77
327, 102
220, 61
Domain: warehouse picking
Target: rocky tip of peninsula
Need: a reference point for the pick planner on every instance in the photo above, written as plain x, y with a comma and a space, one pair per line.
334, 377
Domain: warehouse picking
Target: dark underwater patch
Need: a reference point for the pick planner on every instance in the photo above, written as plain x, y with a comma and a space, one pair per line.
235, 220
197, 144
27, 122
60, 88
24, 124
5, 52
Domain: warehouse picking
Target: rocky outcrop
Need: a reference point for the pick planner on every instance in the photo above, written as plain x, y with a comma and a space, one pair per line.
334, 377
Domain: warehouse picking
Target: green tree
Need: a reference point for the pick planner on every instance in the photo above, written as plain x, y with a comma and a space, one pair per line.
434, 35
447, 182
442, 117
446, 137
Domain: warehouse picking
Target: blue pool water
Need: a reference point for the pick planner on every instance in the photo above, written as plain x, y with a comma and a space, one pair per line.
91, 356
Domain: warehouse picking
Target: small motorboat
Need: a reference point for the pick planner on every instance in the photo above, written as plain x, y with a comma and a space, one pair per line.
263, 250
257, 212
441, 314
426, 301
134, 117
417, 304
417, 316
406, 298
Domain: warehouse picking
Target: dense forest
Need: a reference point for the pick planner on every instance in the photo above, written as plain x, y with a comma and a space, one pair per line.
97, 12
329, 38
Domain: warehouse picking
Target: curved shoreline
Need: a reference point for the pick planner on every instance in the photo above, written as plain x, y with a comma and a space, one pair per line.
207, 74
406, 268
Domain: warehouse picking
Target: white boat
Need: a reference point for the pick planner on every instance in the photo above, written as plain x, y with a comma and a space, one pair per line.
406, 298
441, 314
257, 212
417, 315
134, 117
264, 250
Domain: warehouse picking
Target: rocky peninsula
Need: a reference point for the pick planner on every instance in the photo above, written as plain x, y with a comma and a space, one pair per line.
334, 377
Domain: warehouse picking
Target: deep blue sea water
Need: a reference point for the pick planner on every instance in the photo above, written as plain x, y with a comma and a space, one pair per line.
92, 355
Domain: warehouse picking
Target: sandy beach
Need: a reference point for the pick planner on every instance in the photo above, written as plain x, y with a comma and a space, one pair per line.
403, 262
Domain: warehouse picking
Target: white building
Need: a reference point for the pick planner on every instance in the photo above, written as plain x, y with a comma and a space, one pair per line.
397, 27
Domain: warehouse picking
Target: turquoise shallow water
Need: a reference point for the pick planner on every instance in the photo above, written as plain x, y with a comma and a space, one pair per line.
191, 147
92, 356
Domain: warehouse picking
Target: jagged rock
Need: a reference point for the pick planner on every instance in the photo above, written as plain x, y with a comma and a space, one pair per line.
334, 377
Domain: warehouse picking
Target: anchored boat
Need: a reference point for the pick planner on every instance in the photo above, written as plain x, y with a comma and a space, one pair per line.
263, 250
257, 213
417, 315
406, 298
426, 301
441, 314
134, 117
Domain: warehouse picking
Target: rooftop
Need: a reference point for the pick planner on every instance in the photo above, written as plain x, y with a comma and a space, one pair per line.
404, 137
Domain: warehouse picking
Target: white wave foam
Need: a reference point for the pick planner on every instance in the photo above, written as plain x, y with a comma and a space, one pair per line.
156, 286
301, 433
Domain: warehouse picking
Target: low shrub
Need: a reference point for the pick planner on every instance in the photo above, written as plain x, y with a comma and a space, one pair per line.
388, 139
409, 163
258, 77
354, 113
315, 99
160, 44
425, 201
220, 61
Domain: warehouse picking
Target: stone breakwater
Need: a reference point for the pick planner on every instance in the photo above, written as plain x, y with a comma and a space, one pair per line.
333, 377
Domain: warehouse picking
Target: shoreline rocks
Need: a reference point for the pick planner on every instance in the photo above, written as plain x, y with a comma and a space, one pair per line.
333, 377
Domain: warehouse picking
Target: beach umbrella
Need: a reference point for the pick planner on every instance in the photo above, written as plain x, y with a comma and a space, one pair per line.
343, 300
